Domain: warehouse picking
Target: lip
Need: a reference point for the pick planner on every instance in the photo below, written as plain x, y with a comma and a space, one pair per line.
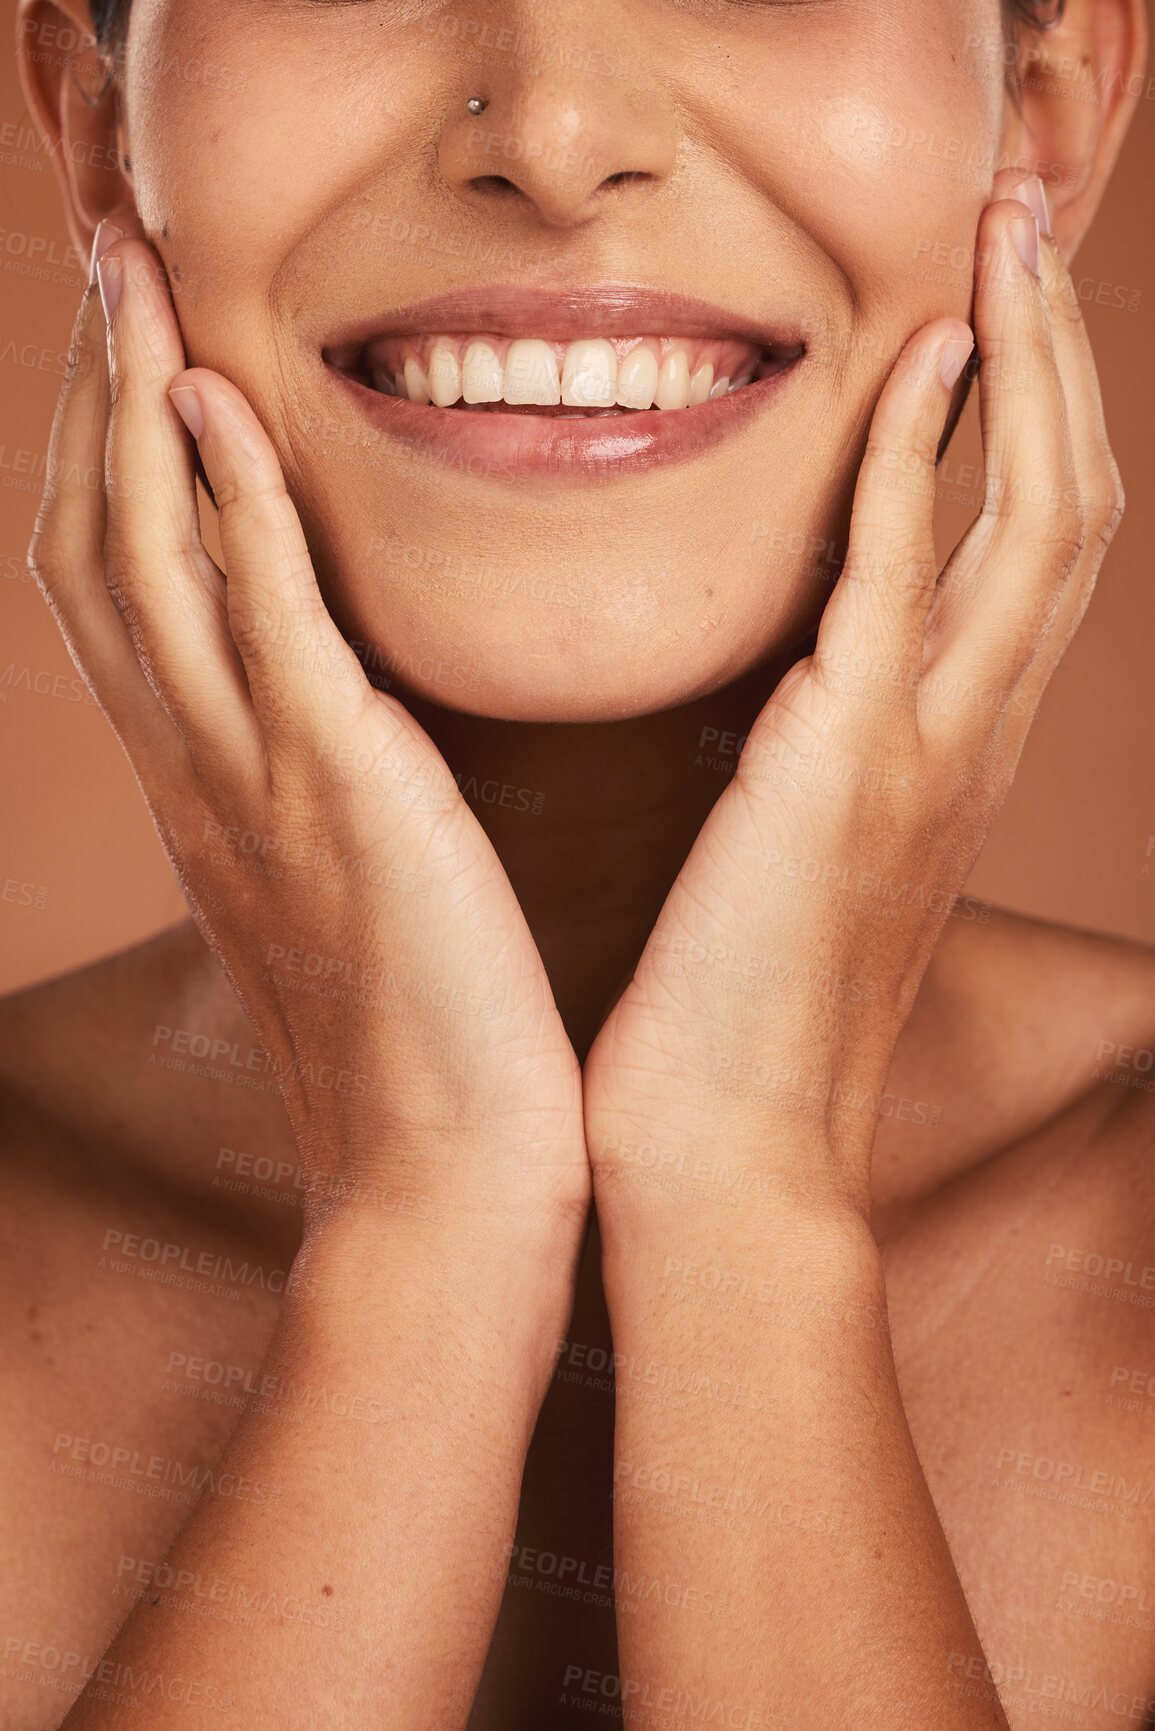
614, 309
516, 446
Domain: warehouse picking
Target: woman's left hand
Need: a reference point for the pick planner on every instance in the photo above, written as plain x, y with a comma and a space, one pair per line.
759, 1026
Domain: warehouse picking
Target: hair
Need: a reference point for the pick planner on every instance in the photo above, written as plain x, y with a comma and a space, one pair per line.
110, 21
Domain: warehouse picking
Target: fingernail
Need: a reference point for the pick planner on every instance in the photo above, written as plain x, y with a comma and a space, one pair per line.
110, 276
1033, 194
107, 234
187, 404
1025, 234
956, 352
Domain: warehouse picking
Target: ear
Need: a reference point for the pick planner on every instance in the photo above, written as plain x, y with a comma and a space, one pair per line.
1078, 83
74, 97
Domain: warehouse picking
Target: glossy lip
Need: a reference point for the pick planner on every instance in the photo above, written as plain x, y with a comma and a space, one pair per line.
512, 446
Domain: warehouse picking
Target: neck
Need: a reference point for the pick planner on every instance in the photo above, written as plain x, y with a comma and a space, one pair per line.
592, 823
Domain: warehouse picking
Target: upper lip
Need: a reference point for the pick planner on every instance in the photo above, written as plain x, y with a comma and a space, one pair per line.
560, 315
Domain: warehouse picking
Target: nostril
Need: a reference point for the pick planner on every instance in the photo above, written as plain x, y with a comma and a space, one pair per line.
496, 183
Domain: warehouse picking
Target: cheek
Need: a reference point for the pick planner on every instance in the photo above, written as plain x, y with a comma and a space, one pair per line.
886, 158
912, 184
246, 142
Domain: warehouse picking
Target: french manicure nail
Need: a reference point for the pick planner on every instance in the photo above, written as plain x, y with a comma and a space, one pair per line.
110, 276
956, 352
1033, 194
1025, 234
187, 404
107, 234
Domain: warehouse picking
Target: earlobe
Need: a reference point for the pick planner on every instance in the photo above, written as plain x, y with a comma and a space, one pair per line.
1078, 84
74, 99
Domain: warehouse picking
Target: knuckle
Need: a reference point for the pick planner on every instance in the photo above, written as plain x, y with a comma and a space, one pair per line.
1064, 542
47, 559
913, 452
253, 629
255, 494
127, 578
1063, 304
1106, 503
55, 564
232, 498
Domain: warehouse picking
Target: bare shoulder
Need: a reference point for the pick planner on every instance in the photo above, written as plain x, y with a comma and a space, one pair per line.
105, 1060
1019, 1240
1019, 1023
136, 1279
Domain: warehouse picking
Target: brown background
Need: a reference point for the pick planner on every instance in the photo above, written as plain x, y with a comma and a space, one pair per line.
1070, 845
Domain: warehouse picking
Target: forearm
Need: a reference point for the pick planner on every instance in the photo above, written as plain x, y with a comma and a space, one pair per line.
392, 1515
777, 1498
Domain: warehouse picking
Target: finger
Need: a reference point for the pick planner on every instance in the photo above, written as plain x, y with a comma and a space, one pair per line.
67, 548
1003, 584
299, 668
879, 606
170, 592
1100, 490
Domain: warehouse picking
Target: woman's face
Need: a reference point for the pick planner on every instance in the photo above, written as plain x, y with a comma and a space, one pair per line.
311, 175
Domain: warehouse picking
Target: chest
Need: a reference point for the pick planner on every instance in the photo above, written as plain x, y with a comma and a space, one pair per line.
1021, 1302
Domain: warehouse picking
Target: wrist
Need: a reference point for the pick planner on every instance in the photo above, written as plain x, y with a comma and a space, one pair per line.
783, 1174
494, 1289
817, 1264
528, 1196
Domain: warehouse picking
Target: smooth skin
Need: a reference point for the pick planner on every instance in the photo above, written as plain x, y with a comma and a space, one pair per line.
487, 1123
227, 698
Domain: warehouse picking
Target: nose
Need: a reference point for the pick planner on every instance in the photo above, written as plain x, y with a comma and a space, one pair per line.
565, 126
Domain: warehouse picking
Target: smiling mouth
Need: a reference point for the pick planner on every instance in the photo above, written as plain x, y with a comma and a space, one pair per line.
598, 377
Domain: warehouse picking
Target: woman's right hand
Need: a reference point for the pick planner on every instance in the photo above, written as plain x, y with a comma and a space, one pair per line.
327, 855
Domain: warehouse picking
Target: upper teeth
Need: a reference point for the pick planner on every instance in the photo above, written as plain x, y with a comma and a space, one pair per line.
591, 373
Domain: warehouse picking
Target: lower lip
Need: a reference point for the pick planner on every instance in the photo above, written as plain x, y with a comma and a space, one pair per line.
509, 447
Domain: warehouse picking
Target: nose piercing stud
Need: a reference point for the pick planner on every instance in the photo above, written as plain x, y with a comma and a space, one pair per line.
477, 104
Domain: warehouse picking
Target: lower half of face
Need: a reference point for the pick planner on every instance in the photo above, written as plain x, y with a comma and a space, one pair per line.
571, 394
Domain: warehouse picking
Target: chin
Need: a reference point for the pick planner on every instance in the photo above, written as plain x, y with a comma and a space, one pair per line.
576, 650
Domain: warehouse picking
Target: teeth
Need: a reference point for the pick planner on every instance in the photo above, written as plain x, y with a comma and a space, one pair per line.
590, 377
413, 383
701, 384
444, 376
674, 381
531, 373
638, 378
481, 380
